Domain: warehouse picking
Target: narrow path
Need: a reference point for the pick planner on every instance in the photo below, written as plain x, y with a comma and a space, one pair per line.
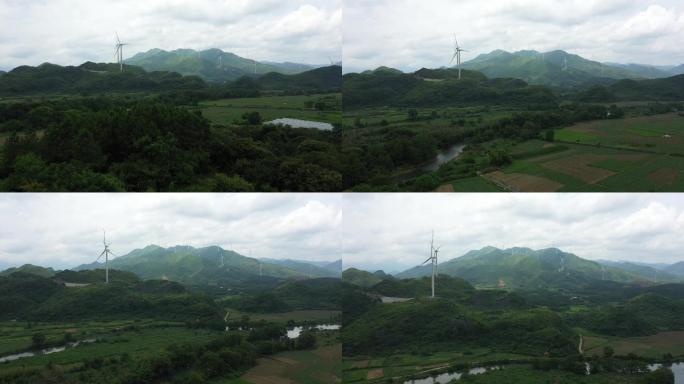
580, 345
225, 318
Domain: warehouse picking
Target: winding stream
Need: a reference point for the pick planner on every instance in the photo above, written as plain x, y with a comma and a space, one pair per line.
45, 351
296, 331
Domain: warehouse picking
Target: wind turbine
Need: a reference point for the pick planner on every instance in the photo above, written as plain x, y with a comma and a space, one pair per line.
457, 56
433, 258
106, 252
119, 51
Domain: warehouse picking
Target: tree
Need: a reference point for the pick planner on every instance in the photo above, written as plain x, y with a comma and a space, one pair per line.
412, 114
608, 352
550, 135
38, 340
252, 118
306, 340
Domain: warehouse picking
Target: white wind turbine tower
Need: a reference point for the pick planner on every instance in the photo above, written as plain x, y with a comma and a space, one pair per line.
457, 56
433, 258
106, 252
119, 51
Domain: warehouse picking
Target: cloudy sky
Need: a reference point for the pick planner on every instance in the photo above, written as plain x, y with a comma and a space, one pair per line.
410, 34
74, 31
392, 231
65, 230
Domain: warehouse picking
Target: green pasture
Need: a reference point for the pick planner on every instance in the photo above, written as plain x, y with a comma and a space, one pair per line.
230, 111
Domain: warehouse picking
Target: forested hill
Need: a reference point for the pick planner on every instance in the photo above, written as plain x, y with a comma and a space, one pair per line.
386, 87
667, 89
202, 266
212, 65
527, 268
92, 78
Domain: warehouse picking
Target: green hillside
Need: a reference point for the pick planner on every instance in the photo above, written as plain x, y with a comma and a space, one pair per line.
666, 89
643, 271
325, 80
30, 297
361, 278
437, 88
91, 77
312, 269
524, 267
555, 68
204, 266
211, 65
31, 269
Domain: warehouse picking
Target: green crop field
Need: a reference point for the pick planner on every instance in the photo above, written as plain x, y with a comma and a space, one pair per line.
593, 168
658, 133
229, 111
317, 366
653, 346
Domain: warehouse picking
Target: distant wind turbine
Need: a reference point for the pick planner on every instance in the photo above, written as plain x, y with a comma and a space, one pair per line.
119, 51
106, 252
457, 56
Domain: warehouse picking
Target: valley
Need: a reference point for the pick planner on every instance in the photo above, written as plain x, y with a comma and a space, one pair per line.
502, 315
176, 314
223, 136
567, 130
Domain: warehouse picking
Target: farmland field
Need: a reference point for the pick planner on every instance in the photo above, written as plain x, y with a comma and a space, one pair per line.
228, 111
114, 338
593, 168
659, 133
316, 315
653, 346
320, 365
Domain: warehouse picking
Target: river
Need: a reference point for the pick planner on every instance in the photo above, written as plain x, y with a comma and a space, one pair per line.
447, 377
45, 351
297, 123
444, 157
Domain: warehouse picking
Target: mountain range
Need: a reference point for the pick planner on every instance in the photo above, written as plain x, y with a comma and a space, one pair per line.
206, 266
212, 65
527, 268
560, 68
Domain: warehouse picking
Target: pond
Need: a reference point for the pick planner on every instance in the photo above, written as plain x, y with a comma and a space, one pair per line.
45, 351
447, 377
297, 123
296, 331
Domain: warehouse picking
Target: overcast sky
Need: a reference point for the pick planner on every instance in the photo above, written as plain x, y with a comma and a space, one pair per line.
65, 230
410, 34
70, 32
392, 231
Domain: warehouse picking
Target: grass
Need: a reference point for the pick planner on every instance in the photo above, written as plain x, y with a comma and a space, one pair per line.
474, 184
643, 132
525, 374
404, 365
317, 366
230, 111
654, 346
146, 339
317, 315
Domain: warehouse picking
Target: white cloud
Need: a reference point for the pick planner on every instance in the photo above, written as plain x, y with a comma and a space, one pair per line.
70, 32
393, 231
409, 34
65, 230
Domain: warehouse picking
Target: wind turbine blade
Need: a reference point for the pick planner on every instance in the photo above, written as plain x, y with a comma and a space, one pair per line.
452, 58
98, 258
112, 253
428, 259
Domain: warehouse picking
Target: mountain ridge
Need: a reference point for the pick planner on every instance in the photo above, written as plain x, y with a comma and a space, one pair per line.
212, 64
525, 267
